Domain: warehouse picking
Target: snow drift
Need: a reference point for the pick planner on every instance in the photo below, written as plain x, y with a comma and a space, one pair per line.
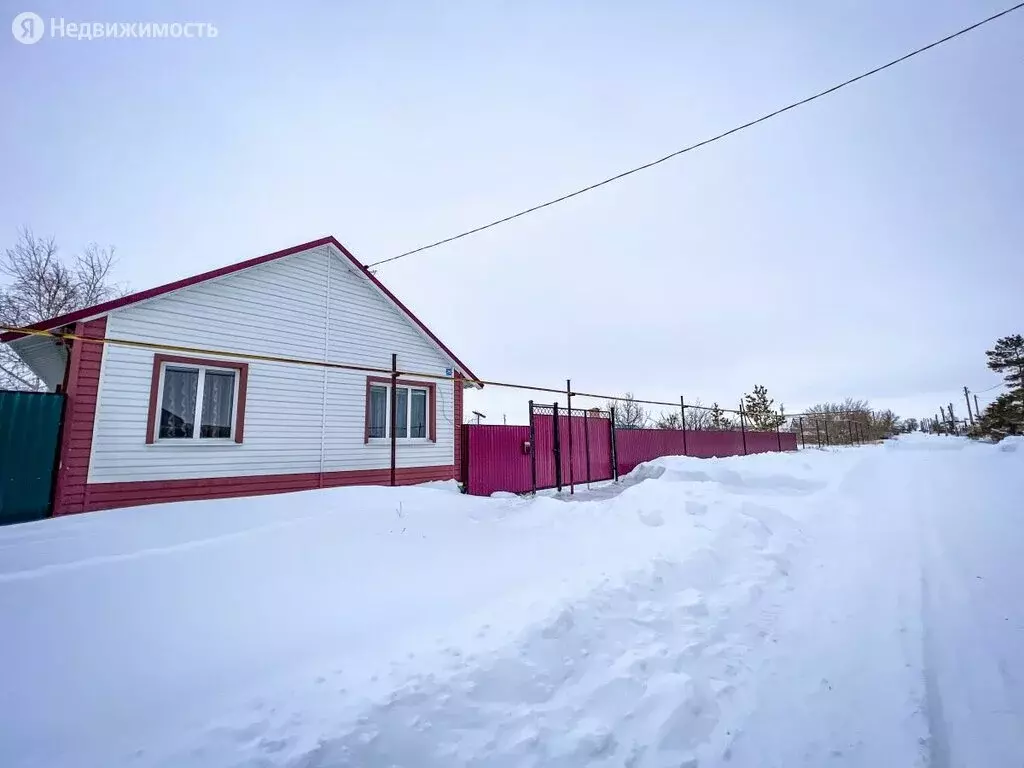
772, 609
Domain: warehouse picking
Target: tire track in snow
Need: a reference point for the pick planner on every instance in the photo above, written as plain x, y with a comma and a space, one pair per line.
938, 741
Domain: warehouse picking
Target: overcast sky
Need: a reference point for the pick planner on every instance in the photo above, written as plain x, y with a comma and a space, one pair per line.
868, 245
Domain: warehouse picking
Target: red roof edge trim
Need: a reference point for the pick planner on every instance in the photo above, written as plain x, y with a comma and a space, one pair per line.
150, 293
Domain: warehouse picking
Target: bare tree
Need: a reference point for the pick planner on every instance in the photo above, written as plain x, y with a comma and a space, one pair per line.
40, 284
629, 414
669, 420
854, 419
698, 417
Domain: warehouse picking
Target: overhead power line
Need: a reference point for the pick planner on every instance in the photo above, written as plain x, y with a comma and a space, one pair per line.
705, 142
983, 391
346, 367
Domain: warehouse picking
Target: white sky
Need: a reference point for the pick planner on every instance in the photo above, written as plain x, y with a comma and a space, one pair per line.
867, 245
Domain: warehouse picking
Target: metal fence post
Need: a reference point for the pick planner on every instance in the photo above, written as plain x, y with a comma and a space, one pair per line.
778, 434
743, 429
394, 414
614, 447
556, 439
586, 442
682, 408
803, 442
826, 433
533, 451
568, 392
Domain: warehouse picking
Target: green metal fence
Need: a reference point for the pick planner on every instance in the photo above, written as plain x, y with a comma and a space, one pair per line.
30, 425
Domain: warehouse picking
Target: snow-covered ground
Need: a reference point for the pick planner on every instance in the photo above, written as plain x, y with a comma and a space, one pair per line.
855, 607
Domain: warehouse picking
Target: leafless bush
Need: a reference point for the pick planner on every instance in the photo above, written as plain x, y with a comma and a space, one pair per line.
629, 414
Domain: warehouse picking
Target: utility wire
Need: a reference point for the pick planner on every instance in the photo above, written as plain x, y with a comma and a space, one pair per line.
705, 142
983, 391
348, 367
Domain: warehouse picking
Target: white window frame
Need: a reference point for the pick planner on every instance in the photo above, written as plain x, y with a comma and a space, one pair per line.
408, 413
197, 416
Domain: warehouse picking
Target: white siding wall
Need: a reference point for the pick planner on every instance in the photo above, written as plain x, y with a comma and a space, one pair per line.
282, 309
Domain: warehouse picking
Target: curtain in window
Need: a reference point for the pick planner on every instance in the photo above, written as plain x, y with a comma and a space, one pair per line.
418, 414
218, 399
178, 406
378, 411
402, 411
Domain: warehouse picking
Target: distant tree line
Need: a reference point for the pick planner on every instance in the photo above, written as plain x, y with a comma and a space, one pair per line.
851, 420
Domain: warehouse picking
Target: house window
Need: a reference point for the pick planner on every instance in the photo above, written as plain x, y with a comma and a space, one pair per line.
415, 404
192, 399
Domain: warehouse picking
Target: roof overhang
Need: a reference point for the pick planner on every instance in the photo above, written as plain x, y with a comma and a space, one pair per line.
46, 357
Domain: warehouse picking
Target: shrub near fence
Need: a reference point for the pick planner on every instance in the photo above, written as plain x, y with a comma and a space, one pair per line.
524, 459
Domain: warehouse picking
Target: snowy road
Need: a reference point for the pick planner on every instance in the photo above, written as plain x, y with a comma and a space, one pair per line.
856, 608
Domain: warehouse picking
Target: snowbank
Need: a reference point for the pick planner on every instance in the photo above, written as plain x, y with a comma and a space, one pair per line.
416, 626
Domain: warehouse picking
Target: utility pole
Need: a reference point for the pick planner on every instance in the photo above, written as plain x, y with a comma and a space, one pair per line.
942, 410
976, 411
967, 397
952, 420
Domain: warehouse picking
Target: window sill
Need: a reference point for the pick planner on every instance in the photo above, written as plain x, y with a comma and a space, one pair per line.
191, 442
401, 441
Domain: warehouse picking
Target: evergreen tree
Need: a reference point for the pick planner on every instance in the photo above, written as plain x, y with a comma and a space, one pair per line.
1007, 358
758, 409
718, 418
1004, 416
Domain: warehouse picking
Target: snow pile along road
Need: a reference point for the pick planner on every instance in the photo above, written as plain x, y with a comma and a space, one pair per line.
856, 607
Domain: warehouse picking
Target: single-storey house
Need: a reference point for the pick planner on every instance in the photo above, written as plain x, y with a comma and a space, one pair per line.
209, 387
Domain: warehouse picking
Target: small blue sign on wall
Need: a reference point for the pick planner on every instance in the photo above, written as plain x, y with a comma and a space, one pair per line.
448, 371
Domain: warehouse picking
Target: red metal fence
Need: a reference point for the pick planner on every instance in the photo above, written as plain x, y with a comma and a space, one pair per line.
524, 459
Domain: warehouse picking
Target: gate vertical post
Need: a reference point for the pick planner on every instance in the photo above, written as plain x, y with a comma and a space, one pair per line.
568, 393
743, 429
556, 439
614, 446
682, 408
586, 442
533, 451
827, 440
817, 430
394, 414
803, 443
778, 434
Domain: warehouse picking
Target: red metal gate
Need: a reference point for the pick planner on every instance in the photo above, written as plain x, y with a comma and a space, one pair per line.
570, 449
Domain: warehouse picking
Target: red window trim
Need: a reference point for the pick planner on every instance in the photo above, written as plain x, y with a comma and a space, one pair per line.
154, 389
430, 386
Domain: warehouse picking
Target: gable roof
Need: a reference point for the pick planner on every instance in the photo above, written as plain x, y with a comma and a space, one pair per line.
134, 298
